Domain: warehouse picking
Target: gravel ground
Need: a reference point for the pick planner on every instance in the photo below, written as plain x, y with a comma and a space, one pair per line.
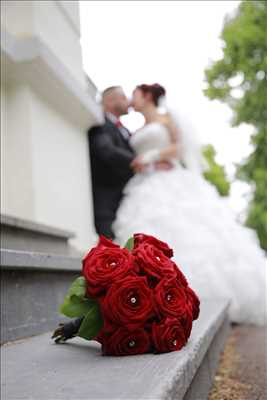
242, 373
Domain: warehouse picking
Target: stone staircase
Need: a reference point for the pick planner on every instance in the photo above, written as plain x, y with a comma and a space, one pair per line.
37, 266
21, 234
33, 367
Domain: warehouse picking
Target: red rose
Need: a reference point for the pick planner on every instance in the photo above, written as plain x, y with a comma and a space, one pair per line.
128, 301
193, 302
107, 328
187, 323
126, 342
105, 242
170, 298
168, 335
153, 261
103, 265
140, 238
181, 278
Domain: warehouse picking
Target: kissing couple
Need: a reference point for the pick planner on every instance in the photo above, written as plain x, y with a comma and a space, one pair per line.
114, 160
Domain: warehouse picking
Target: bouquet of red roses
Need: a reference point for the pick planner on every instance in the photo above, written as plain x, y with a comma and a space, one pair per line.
132, 300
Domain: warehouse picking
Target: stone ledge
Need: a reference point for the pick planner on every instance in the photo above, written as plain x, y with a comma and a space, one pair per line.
32, 59
24, 235
37, 368
203, 380
22, 260
20, 223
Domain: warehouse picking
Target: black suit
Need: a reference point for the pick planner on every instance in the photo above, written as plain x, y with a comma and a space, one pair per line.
110, 156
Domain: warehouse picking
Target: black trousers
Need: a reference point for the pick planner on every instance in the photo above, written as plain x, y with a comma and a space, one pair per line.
104, 226
106, 203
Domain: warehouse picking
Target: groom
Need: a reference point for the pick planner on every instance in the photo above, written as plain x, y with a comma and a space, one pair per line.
111, 157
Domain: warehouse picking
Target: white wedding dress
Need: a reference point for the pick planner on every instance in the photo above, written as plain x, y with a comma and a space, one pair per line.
219, 257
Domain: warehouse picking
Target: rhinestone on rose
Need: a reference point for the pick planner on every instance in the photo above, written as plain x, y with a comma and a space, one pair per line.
113, 264
133, 300
132, 343
169, 297
174, 342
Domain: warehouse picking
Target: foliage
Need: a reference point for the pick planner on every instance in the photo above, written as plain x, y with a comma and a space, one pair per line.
215, 173
129, 244
92, 323
239, 79
78, 304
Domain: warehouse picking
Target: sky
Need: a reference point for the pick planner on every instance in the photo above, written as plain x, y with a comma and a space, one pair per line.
169, 42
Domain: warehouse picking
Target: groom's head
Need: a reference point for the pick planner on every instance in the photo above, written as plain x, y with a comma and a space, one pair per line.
115, 101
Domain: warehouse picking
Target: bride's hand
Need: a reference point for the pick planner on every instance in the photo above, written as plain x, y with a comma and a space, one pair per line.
163, 165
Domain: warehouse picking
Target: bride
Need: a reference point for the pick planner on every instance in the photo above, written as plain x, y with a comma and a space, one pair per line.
220, 257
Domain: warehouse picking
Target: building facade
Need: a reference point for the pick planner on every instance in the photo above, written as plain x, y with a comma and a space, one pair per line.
47, 107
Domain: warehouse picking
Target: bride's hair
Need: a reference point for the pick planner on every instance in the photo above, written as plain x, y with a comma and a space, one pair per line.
156, 91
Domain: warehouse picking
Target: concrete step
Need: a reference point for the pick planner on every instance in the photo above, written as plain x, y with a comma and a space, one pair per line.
33, 286
36, 368
25, 235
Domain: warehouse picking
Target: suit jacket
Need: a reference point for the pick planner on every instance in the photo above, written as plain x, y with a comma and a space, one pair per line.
110, 156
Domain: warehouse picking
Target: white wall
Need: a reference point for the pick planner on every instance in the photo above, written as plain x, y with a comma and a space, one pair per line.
45, 165
16, 138
18, 17
61, 169
55, 29
46, 174
72, 11
55, 23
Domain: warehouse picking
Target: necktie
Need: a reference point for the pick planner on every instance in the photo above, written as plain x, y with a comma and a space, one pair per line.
119, 124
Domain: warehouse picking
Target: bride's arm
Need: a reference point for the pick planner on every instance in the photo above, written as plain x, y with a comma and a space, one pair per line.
175, 148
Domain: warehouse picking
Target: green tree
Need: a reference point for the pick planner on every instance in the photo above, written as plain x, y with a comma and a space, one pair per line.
215, 173
239, 79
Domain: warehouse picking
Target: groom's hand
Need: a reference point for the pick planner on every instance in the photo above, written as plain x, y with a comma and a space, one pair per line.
137, 165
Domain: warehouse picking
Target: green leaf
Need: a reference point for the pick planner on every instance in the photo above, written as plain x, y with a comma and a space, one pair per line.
75, 307
129, 244
78, 287
75, 299
92, 323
